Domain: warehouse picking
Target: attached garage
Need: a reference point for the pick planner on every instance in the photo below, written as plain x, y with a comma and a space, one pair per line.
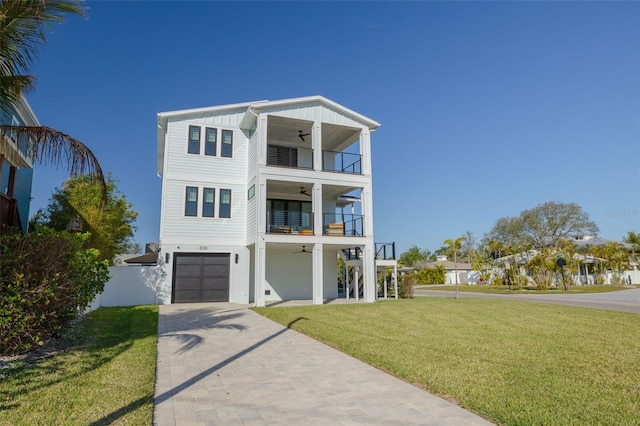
200, 277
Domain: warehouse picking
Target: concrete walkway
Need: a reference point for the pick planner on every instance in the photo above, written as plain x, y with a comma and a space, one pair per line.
623, 300
223, 364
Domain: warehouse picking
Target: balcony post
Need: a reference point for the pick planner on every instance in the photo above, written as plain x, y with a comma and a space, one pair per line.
318, 217
318, 280
316, 145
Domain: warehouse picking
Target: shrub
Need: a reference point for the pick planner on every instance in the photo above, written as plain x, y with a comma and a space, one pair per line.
405, 285
435, 275
46, 280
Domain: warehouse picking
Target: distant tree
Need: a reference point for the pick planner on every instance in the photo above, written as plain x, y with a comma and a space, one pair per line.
543, 226
454, 246
633, 239
468, 247
413, 255
78, 206
442, 251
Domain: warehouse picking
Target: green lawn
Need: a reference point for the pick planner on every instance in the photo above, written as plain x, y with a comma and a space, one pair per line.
503, 289
105, 377
515, 363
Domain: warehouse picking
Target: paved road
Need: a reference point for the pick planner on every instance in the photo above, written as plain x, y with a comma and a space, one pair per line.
220, 363
623, 300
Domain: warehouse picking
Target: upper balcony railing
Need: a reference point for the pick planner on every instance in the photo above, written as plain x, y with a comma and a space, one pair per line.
302, 158
342, 162
339, 224
289, 222
289, 156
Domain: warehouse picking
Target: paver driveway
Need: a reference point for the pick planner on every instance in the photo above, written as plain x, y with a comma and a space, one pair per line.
222, 363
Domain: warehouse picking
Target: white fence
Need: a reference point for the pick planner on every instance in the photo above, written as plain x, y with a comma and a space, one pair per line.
133, 285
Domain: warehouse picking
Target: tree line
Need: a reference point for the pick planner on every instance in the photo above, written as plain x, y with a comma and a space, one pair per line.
525, 250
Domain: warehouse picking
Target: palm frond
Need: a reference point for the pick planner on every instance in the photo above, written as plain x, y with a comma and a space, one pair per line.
52, 147
23, 29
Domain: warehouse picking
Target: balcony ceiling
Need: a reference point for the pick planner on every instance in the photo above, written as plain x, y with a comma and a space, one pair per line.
291, 190
285, 131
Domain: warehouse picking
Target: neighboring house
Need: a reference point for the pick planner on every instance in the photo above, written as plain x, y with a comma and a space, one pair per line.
16, 171
254, 198
466, 275
585, 273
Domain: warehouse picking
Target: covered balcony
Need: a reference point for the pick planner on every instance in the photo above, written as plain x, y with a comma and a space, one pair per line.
290, 144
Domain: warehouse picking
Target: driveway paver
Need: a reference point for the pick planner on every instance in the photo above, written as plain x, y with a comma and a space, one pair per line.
223, 364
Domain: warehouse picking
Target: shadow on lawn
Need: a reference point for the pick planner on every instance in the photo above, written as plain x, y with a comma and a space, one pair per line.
96, 340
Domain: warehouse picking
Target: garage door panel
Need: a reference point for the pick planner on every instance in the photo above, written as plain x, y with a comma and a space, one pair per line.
214, 283
201, 277
215, 295
189, 283
188, 271
188, 260
187, 296
216, 271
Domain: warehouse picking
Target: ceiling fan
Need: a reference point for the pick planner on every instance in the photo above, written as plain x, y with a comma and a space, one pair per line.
302, 135
304, 191
304, 250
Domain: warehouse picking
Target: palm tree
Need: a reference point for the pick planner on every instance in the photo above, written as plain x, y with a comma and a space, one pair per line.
455, 245
23, 25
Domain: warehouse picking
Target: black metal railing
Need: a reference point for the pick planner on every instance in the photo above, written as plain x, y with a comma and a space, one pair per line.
352, 253
386, 251
340, 224
289, 222
342, 162
289, 156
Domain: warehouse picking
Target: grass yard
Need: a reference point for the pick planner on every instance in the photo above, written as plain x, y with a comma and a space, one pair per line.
106, 376
503, 289
515, 363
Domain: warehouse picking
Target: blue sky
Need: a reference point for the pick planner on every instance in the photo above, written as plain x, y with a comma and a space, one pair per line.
487, 108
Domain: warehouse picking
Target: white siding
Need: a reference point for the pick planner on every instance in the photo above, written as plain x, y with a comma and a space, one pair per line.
252, 220
311, 112
202, 230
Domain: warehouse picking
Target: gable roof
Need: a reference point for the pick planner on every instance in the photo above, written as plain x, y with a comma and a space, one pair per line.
252, 110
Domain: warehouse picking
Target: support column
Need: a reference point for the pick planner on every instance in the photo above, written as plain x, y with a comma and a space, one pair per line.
317, 209
260, 271
318, 281
316, 144
347, 284
356, 282
395, 280
369, 273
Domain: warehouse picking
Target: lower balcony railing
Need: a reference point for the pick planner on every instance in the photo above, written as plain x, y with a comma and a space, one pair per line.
339, 224
289, 222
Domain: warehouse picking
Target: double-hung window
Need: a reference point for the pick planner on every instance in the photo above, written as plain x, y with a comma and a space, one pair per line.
194, 140
227, 143
225, 203
210, 141
208, 202
191, 201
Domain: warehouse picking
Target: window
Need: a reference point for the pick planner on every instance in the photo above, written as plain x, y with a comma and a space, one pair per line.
227, 143
225, 203
194, 140
210, 139
191, 201
208, 201
252, 192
